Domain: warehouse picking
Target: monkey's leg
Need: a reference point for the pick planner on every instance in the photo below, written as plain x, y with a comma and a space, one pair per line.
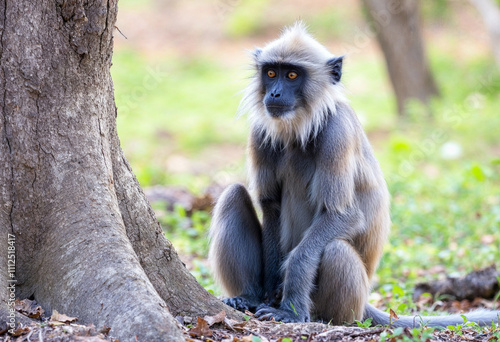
236, 248
342, 284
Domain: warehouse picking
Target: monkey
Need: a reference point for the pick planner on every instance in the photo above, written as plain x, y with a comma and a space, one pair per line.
323, 199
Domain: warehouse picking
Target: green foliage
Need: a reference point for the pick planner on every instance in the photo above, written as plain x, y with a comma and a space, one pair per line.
435, 10
365, 324
330, 23
497, 296
246, 18
413, 335
457, 329
171, 107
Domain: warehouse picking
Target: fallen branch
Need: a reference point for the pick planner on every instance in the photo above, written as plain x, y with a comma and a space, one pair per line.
481, 283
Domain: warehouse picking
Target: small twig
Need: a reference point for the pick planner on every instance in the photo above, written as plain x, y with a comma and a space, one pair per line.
29, 335
368, 332
124, 36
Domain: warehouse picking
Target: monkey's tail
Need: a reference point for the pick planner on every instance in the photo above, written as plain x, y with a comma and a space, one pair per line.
481, 317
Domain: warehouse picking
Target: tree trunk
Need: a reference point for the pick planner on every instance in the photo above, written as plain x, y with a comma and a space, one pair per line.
490, 11
397, 26
87, 242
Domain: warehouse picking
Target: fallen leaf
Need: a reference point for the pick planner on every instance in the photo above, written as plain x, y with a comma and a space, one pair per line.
29, 308
20, 331
105, 330
233, 324
55, 323
201, 329
61, 318
248, 338
393, 315
219, 318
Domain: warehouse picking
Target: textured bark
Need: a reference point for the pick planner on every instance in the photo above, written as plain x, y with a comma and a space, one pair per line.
87, 242
490, 11
397, 25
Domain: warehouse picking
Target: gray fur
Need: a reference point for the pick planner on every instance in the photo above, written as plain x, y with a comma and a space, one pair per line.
324, 202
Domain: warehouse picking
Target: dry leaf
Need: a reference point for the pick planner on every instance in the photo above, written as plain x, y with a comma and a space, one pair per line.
61, 318
55, 323
233, 324
105, 330
29, 308
393, 315
20, 331
201, 329
248, 338
219, 318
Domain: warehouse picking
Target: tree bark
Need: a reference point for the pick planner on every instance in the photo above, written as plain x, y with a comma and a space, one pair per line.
397, 27
87, 242
490, 11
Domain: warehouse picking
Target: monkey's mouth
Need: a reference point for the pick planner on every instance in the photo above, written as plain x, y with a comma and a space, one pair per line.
277, 111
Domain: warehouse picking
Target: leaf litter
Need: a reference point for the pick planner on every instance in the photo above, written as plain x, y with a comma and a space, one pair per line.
58, 327
220, 328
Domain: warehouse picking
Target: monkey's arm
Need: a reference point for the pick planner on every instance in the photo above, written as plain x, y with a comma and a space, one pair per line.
272, 253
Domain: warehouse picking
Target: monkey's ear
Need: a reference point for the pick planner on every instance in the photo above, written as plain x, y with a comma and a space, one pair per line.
256, 53
335, 67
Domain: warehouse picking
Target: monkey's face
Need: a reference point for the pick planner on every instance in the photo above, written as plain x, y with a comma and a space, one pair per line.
282, 88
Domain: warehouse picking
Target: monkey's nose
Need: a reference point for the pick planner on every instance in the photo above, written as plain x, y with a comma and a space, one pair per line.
275, 95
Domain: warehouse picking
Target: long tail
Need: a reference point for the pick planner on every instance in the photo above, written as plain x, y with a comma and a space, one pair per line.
481, 317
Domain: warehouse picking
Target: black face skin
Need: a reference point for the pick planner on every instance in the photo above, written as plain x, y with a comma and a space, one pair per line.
282, 85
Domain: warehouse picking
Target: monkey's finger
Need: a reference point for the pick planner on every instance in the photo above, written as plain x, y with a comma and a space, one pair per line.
263, 306
264, 312
266, 317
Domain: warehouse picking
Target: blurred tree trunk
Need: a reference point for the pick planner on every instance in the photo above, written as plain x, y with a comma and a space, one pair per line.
490, 11
87, 242
397, 26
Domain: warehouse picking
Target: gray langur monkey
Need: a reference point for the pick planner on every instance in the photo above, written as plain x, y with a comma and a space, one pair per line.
324, 200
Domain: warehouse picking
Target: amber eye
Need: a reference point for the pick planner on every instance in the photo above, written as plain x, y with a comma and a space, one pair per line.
292, 75
271, 73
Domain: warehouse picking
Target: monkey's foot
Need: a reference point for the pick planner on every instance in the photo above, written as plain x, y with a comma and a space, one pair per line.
240, 303
265, 313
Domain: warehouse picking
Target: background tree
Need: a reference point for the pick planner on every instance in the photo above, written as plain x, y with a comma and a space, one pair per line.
397, 26
87, 242
490, 11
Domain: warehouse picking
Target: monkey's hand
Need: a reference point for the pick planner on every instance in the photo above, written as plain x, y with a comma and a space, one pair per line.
241, 303
285, 315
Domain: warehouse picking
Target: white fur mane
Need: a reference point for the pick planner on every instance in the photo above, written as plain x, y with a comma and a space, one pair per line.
295, 46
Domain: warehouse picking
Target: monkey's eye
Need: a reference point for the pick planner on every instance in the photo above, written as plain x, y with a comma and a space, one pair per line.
292, 75
271, 73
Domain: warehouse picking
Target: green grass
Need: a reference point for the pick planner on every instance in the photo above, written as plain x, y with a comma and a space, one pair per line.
171, 106
441, 208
